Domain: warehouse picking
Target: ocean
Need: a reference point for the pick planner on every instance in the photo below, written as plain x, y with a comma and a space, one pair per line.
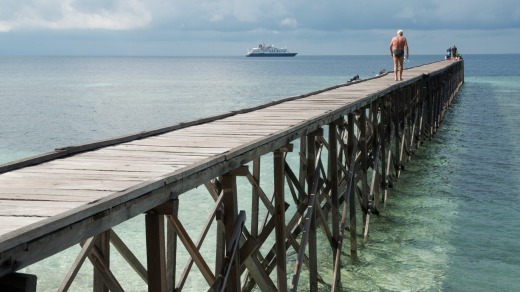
452, 222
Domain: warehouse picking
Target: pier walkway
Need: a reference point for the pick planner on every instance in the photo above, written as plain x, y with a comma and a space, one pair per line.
352, 141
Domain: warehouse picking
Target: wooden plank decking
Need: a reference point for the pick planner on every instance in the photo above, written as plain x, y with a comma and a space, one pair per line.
49, 206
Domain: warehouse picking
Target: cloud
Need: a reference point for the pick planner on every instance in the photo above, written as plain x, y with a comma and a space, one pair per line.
162, 24
222, 16
269, 15
289, 22
438, 14
5, 26
70, 14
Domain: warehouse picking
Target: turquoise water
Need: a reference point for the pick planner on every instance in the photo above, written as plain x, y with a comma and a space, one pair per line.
452, 222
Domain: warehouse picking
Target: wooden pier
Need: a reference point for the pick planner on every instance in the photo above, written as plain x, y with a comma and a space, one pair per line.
350, 142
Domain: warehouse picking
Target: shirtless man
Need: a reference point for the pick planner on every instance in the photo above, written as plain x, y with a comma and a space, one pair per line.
397, 46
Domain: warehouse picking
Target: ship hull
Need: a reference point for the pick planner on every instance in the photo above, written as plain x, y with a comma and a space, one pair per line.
272, 55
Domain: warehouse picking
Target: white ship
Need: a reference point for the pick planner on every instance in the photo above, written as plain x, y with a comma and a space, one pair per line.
269, 51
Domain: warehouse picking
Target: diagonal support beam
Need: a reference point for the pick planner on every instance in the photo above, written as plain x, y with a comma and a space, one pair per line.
76, 266
128, 256
192, 249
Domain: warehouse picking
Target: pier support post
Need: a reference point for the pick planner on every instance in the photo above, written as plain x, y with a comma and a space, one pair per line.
437, 103
155, 255
313, 248
279, 200
171, 249
102, 245
161, 247
255, 198
376, 141
334, 196
229, 188
429, 109
364, 169
303, 166
385, 136
220, 247
352, 195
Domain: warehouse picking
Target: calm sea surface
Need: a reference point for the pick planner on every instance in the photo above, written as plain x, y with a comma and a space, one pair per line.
452, 222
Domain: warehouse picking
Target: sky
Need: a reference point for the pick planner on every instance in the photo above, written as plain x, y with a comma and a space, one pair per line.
230, 27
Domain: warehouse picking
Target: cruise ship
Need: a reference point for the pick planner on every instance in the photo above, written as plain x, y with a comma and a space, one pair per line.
269, 51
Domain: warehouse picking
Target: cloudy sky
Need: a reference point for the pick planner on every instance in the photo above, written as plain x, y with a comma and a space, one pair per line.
229, 27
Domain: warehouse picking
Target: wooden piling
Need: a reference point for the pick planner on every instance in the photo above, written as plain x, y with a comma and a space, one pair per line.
155, 245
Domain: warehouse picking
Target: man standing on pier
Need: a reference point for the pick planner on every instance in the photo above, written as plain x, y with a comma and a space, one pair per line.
397, 46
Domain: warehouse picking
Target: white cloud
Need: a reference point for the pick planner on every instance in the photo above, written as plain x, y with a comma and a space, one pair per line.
70, 14
289, 22
5, 27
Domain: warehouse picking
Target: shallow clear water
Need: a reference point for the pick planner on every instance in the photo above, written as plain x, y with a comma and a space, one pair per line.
452, 222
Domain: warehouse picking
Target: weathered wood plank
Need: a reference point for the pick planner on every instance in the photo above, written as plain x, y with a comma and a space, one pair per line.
59, 183
84, 173
111, 166
35, 208
187, 150
46, 197
10, 223
166, 157
57, 192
